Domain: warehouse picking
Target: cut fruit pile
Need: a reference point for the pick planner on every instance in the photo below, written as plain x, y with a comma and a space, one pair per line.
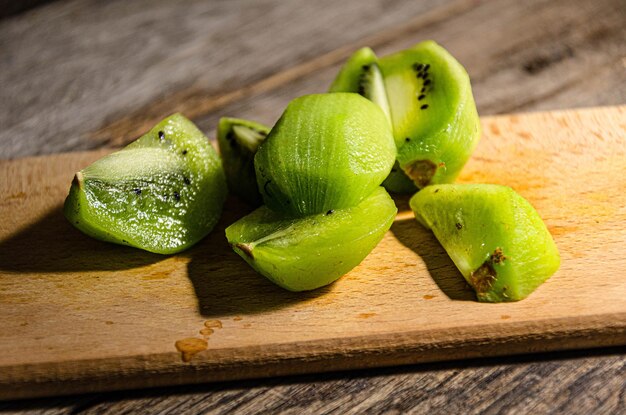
406, 121
428, 96
319, 172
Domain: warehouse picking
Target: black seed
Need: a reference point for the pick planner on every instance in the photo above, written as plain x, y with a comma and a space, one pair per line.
176, 196
161, 135
365, 67
436, 190
427, 67
184, 152
421, 97
407, 139
137, 191
425, 76
459, 226
77, 222
230, 136
330, 212
423, 90
423, 107
427, 82
418, 66
186, 180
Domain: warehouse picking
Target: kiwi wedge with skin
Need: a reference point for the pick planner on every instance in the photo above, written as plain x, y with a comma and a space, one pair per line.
305, 253
434, 117
162, 193
494, 236
238, 142
326, 152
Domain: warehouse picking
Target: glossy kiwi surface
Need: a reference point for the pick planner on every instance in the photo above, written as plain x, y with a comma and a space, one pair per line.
494, 236
434, 117
361, 74
305, 253
327, 151
162, 193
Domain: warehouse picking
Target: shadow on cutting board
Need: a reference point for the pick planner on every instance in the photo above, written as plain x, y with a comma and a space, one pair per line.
441, 268
53, 245
225, 285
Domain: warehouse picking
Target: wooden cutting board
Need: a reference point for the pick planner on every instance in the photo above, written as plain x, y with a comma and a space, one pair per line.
78, 315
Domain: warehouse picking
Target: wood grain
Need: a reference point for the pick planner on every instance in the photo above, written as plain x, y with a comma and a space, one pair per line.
69, 71
80, 315
565, 382
86, 74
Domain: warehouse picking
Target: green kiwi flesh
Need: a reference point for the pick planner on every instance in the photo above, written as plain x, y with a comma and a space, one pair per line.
361, 74
162, 193
398, 182
434, 117
326, 152
305, 253
494, 236
238, 142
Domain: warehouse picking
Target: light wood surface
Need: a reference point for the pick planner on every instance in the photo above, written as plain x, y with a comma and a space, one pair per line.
79, 315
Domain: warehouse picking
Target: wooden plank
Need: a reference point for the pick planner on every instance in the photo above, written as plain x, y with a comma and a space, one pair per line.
531, 56
72, 67
570, 382
79, 77
80, 315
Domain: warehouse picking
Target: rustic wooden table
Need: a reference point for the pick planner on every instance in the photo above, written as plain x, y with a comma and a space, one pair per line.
87, 74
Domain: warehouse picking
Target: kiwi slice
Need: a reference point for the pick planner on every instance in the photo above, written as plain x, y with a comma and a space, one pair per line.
305, 253
361, 74
238, 142
162, 193
434, 117
327, 151
494, 236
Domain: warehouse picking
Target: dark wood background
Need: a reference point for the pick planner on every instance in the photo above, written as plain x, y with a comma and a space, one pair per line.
78, 75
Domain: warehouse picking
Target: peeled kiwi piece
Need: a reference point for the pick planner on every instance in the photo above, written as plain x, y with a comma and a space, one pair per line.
434, 117
162, 193
305, 253
361, 74
494, 236
326, 152
238, 142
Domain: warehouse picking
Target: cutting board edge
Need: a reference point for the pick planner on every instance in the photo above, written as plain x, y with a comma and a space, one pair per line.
382, 350
483, 119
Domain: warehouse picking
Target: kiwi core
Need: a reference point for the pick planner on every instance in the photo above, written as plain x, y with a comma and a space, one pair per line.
421, 172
